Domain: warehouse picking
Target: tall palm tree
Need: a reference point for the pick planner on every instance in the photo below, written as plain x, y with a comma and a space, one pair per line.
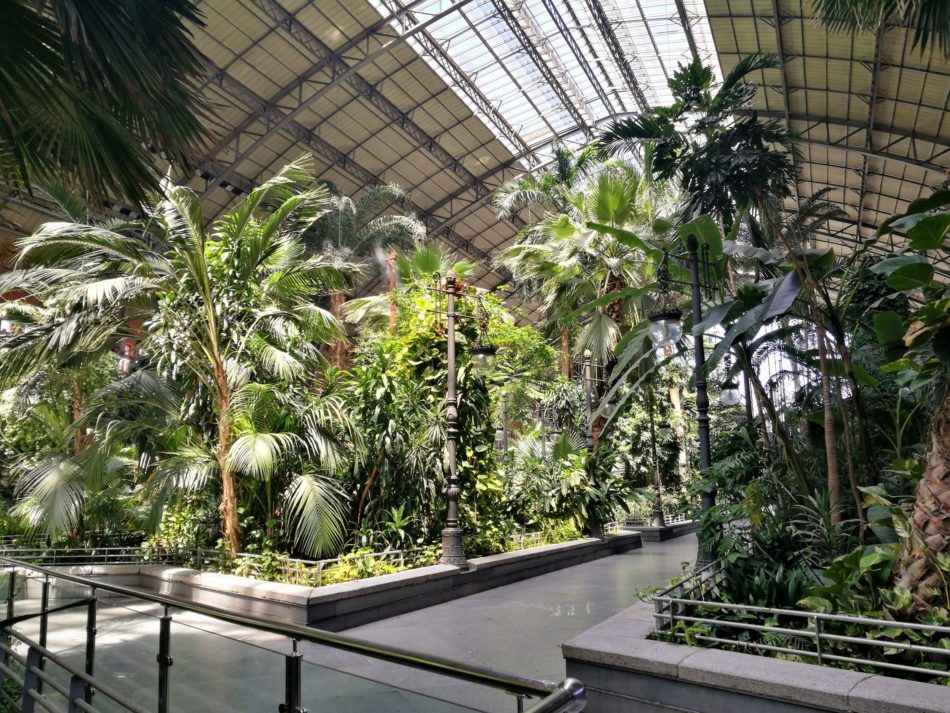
724, 163
576, 260
87, 85
356, 231
220, 308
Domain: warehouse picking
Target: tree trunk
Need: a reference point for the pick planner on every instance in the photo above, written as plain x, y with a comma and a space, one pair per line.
566, 352
337, 350
831, 437
391, 263
80, 440
228, 505
918, 569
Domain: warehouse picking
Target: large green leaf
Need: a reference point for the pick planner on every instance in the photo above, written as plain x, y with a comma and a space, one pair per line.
905, 272
889, 328
705, 230
627, 238
930, 232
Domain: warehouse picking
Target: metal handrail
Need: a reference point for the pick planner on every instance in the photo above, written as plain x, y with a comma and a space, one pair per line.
512, 683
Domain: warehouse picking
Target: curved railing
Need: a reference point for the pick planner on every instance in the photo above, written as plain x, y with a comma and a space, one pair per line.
567, 697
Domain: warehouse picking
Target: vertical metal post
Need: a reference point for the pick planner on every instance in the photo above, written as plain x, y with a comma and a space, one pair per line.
818, 640
658, 519
750, 422
31, 682
91, 631
453, 550
293, 695
44, 626
77, 692
11, 592
504, 432
708, 499
594, 519
164, 660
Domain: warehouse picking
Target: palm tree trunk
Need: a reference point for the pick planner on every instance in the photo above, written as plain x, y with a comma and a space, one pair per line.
337, 353
391, 264
831, 437
566, 352
78, 406
846, 437
228, 505
918, 569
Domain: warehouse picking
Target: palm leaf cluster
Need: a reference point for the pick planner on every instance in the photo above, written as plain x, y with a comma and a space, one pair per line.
89, 88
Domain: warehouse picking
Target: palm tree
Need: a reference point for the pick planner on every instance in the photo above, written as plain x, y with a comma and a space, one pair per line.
550, 189
581, 259
723, 163
355, 231
929, 19
219, 308
87, 85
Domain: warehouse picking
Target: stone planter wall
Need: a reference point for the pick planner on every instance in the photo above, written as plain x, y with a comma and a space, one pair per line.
625, 672
340, 606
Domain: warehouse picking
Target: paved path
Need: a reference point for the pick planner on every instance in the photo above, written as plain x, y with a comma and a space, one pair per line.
516, 628
520, 627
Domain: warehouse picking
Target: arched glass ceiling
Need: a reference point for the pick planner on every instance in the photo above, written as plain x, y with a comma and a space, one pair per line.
536, 69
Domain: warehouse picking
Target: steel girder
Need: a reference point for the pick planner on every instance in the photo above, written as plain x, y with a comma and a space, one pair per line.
781, 58
571, 41
341, 71
341, 161
868, 140
527, 44
613, 44
687, 27
463, 82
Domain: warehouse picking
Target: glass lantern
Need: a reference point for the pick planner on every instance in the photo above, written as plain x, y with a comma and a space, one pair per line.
666, 328
729, 393
483, 358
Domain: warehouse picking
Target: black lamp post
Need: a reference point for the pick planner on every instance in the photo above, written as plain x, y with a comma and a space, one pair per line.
657, 519
588, 376
661, 321
483, 359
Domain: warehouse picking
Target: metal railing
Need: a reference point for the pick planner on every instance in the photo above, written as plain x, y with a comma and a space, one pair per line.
679, 612
567, 697
645, 521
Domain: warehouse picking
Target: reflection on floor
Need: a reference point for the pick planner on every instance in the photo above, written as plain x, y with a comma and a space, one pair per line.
516, 628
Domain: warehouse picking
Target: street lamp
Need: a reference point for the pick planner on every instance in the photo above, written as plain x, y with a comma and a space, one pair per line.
483, 358
666, 319
729, 389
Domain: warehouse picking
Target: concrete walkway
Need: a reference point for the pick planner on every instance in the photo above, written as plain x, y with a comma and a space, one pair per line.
517, 628
520, 627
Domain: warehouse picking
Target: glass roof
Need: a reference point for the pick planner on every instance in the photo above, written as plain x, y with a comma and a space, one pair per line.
549, 68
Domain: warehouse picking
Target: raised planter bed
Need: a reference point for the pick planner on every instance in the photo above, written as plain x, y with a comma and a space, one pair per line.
348, 604
626, 671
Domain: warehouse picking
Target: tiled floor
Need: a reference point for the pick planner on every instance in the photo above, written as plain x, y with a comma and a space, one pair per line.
517, 628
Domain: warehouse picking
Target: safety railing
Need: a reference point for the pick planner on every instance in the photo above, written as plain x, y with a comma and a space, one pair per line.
646, 521
689, 611
34, 681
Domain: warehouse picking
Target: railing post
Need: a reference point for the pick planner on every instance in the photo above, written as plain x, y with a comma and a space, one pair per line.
164, 660
44, 626
31, 682
292, 683
78, 691
91, 631
11, 592
818, 639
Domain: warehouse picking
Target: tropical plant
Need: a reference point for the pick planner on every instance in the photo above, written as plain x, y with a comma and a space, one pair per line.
929, 20
723, 162
216, 311
87, 85
354, 231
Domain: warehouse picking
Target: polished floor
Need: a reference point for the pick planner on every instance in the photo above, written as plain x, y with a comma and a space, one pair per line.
517, 628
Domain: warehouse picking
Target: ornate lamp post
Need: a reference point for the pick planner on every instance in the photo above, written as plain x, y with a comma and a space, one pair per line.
483, 359
657, 519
